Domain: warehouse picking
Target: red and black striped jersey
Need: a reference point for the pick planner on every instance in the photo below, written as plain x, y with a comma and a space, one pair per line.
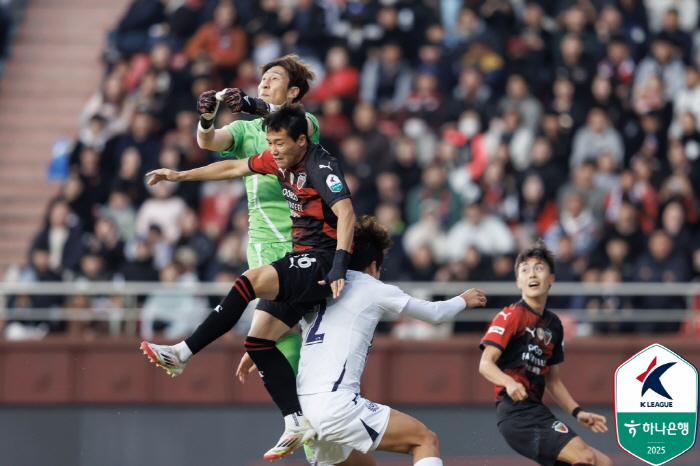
530, 343
311, 188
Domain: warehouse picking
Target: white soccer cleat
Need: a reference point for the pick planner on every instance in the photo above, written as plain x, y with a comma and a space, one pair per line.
291, 439
164, 356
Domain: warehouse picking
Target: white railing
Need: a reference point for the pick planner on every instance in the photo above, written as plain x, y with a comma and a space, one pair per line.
129, 313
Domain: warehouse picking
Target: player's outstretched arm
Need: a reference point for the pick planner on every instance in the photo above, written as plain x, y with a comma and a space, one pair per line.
490, 371
441, 311
346, 229
217, 171
556, 388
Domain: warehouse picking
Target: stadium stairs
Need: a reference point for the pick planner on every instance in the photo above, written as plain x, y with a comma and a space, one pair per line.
54, 67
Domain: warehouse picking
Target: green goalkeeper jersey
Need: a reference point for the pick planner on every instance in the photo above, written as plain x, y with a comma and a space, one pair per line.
267, 208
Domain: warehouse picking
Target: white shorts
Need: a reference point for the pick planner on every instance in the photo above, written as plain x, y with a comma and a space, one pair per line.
344, 421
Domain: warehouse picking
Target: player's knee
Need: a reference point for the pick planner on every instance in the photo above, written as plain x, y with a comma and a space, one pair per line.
603, 460
587, 458
429, 439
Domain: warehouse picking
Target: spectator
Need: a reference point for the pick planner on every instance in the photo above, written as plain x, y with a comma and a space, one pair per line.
405, 163
335, 124
659, 264
111, 105
386, 79
107, 244
394, 266
140, 267
433, 191
488, 233
583, 183
133, 33
687, 100
307, 29
664, 63
425, 101
129, 179
163, 210
571, 112
377, 144
575, 64
577, 222
141, 135
120, 210
220, 40
513, 134
470, 94
62, 236
595, 137
193, 238
536, 212
172, 315
518, 97
341, 80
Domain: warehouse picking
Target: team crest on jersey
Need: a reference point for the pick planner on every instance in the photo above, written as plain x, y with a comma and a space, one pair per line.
301, 180
560, 427
334, 183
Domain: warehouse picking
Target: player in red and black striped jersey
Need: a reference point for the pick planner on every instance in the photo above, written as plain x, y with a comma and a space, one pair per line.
323, 226
522, 350
311, 187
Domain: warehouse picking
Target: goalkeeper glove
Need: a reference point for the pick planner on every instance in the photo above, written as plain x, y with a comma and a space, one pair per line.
238, 101
207, 105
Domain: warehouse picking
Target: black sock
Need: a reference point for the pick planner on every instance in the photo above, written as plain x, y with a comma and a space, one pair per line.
224, 317
276, 372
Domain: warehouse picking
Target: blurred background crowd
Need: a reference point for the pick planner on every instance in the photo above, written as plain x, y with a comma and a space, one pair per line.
468, 128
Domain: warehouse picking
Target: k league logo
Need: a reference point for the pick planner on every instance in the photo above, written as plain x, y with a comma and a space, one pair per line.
656, 405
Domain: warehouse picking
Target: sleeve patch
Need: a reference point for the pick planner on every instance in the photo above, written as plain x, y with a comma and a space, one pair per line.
495, 329
334, 183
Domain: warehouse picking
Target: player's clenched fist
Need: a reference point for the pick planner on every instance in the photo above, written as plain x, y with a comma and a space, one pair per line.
516, 391
239, 101
162, 174
474, 298
207, 105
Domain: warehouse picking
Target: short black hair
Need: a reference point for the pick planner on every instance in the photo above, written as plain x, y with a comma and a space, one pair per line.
372, 243
290, 117
539, 251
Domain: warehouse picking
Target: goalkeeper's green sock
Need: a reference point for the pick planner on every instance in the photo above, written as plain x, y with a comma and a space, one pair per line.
290, 346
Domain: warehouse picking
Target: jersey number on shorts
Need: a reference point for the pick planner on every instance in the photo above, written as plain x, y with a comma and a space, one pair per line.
314, 337
304, 261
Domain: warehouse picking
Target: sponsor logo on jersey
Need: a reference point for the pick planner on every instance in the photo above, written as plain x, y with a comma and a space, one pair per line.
504, 314
325, 166
334, 183
290, 194
531, 331
495, 329
560, 427
301, 180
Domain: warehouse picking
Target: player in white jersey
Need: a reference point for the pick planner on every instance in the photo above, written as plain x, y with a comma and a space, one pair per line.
336, 343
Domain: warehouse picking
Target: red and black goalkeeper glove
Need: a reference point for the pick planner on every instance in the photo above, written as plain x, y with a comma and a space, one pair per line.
207, 105
238, 101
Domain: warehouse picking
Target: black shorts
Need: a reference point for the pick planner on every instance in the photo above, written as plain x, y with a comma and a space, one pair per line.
290, 314
532, 430
299, 274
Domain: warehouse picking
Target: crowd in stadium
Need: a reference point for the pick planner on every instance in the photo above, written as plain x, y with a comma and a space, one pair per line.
469, 128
